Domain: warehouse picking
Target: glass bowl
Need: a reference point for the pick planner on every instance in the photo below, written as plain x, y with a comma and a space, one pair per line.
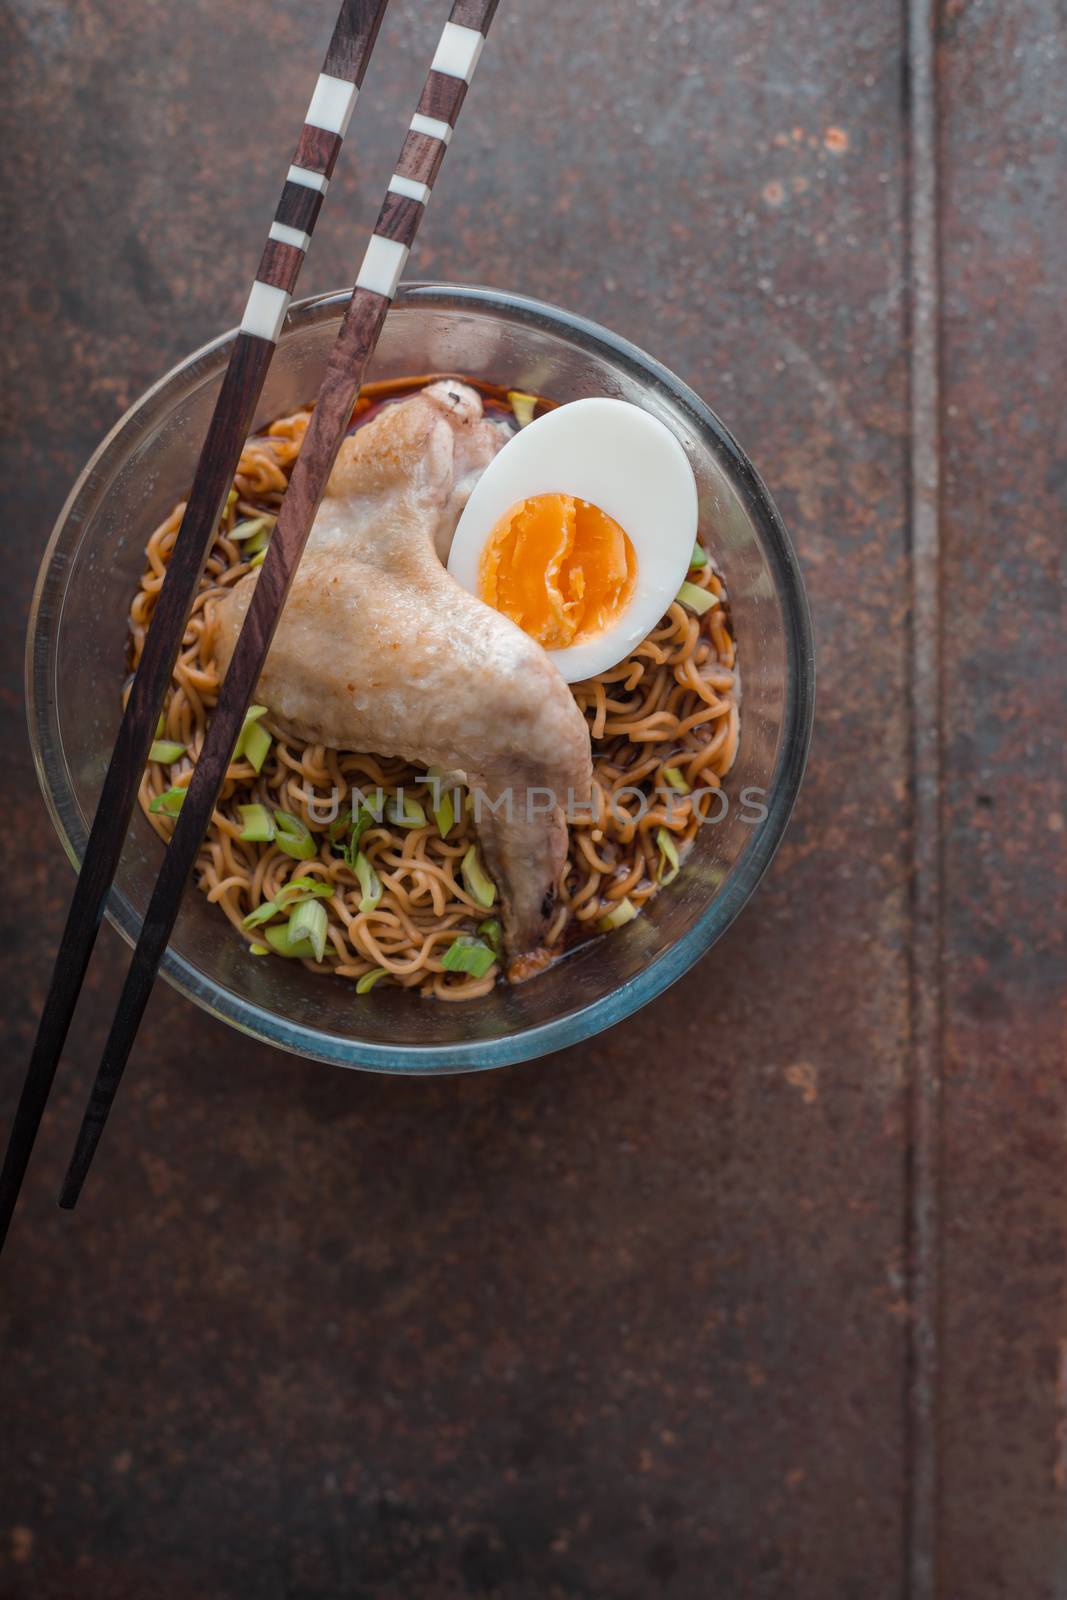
76, 650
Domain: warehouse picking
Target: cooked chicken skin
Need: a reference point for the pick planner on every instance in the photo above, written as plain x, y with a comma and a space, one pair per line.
379, 649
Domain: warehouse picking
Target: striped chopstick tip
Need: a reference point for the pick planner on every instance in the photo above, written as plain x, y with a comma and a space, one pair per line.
383, 263
458, 51
430, 132
432, 127
309, 179
282, 234
332, 104
265, 311
409, 188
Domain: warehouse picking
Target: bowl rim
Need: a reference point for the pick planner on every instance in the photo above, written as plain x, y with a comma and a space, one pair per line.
666, 967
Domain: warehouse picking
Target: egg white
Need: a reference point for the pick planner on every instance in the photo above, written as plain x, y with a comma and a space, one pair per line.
619, 458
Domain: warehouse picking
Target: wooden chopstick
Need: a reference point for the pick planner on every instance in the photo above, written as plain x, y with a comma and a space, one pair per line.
394, 233
305, 186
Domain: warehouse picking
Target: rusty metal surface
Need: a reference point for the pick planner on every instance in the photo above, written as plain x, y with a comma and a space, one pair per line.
635, 1319
1003, 1392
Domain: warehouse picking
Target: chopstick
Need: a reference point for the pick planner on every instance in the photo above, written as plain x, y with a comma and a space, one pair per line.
305, 187
394, 233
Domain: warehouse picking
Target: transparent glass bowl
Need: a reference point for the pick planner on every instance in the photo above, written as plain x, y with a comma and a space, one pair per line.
77, 641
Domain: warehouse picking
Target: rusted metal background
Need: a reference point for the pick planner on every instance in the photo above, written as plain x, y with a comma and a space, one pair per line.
765, 1293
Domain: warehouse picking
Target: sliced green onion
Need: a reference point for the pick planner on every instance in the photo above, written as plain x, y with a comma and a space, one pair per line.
522, 405
408, 814
252, 716
257, 824
445, 816
293, 836
261, 538
248, 529
278, 939
165, 751
262, 914
480, 886
696, 598
161, 724
369, 812
255, 550
299, 889
308, 924
699, 557
257, 742
369, 883
468, 955
618, 916
374, 805
676, 778
668, 852
259, 949
491, 931
232, 499
169, 802
253, 746
365, 984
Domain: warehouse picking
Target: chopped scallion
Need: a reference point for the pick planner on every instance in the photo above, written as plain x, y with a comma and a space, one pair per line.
369, 883
676, 778
370, 811
373, 803
255, 746
259, 949
668, 868
278, 939
298, 889
252, 716
248, 529
445, 816
522, 405
465, 954
258, 559
480, 886
618, 916
169, 802
160, 724
262, 914
696, 598
257, 824
491, 931
699, 557
406, 814
308, 924
290, 894
365, 984
165, 751
261, 538
292, 836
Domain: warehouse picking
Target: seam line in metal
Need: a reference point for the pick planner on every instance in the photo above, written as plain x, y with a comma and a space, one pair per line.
923, 1234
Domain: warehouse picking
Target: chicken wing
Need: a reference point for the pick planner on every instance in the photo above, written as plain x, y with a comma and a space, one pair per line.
379, 649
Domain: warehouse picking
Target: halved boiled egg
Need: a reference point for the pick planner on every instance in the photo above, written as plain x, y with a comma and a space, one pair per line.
581, 531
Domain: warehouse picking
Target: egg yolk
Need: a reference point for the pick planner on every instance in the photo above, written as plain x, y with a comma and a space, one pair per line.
560, 568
